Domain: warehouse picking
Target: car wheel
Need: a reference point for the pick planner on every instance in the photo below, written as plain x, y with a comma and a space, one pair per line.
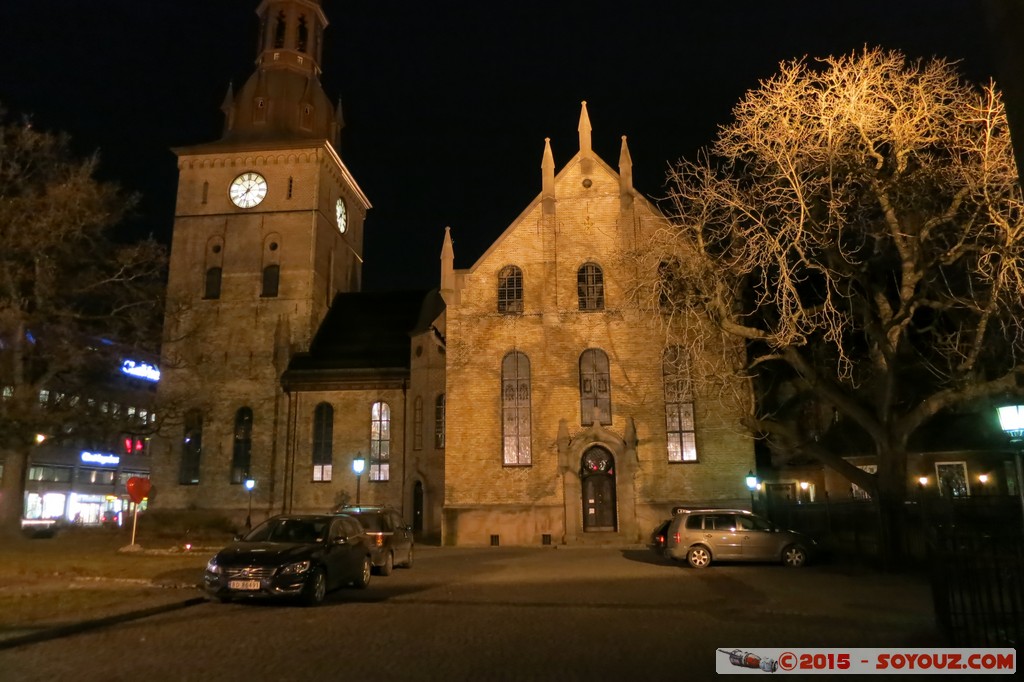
408, 562
389, 564
699, 557
316, 588
364, 576
794, 556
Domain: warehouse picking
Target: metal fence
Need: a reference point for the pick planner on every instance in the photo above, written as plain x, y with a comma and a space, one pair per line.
971, 548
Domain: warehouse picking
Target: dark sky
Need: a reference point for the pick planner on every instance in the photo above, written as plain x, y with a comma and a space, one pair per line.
447, 103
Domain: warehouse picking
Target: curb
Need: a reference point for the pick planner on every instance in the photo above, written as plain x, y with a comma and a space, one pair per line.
85, 626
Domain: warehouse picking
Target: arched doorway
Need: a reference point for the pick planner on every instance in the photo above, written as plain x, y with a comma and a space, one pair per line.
597, 478
417, 507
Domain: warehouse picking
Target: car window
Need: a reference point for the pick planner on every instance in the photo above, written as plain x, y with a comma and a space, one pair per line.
745, 523
694, 521
720, 522
290, 530
352, 526
370, 522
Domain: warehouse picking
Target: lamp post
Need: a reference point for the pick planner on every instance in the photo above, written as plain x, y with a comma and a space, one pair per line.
249, 485
751, 486
1011, 420
358, 464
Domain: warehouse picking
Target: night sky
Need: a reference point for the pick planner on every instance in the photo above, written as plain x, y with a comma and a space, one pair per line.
446, 103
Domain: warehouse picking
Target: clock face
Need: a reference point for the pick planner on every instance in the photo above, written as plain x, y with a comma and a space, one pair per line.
248, 189
342, 213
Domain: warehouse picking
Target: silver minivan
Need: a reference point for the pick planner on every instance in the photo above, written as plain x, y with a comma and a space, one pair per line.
701, 536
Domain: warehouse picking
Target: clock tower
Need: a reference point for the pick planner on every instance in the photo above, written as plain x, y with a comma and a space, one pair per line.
268, 229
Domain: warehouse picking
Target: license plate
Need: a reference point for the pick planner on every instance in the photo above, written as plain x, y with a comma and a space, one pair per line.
244, 584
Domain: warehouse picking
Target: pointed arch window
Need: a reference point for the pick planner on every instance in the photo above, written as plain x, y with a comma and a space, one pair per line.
439, 422
271, 281
595, 387
259, 110
679, 422
590, 287
306, 117
191, 448
323, 442
515, 410
380, 441
510, 290
211, 289
241, 455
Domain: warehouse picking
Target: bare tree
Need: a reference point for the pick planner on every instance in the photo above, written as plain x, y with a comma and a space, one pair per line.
71, 300
858, 227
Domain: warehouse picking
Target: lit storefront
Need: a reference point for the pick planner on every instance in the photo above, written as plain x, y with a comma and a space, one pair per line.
81, 486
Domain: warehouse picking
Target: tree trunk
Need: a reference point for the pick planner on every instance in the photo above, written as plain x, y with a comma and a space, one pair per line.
891, 500
12, 493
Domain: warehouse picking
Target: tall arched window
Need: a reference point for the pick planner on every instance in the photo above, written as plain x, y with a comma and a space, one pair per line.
323, 442
510, 290
279, 30
191, 448
380, 441
515, 410
439, 422
595, 387
679, 423
241, 456
303, 38
271, 280
212, 285
590, 287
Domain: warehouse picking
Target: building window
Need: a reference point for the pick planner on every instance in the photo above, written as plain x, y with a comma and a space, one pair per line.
191, 448
303, 42
679, 422
259, 110
510, 290
323, 442
380, 441
590, 287
439, 422
271, 280
515, 410
212, 288
595, 387
417, 423
241, 456
279, 30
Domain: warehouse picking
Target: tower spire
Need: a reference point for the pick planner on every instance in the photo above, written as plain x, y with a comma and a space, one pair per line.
585, 131
547, 173
283, 99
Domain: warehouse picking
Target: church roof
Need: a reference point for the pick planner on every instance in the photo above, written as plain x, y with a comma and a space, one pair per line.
365, 336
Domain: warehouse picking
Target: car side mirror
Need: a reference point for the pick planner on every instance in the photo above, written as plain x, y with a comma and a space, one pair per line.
237, 537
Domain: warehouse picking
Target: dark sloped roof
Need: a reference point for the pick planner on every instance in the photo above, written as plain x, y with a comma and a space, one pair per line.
367, 333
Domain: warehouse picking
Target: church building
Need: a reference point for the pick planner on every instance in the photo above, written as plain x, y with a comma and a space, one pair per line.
523, 401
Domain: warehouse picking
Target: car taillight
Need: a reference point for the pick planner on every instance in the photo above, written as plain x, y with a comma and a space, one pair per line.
380, 540
676, 539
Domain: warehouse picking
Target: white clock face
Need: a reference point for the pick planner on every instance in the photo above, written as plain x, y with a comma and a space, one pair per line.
248, 189
342, 214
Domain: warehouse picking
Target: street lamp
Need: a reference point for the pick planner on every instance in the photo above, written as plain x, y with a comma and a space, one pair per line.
1011, 420
751, 486
358, 464
249, 485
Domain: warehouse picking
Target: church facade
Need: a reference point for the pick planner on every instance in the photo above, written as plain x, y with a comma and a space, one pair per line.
524, 401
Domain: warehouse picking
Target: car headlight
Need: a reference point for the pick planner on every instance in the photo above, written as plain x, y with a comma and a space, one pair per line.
212, 567
296, 568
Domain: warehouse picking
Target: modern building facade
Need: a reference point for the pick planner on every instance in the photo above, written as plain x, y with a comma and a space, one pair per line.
525, 401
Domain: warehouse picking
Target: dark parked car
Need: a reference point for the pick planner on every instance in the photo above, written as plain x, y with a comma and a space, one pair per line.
390, 536
298, 556
701, 536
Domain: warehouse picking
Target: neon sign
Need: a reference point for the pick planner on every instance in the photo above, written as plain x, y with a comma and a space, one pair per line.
141, 370
100, 458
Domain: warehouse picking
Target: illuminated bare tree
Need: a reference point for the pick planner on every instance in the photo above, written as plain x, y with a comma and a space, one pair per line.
72, 299
858, 227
